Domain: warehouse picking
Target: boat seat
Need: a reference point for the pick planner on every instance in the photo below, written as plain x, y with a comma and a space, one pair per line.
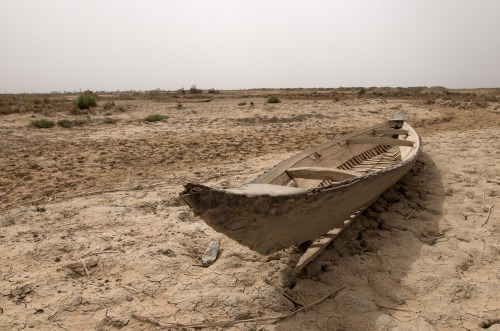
321, 173
267, 189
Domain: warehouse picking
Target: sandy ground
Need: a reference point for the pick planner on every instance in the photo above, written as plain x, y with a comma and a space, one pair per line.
94, 236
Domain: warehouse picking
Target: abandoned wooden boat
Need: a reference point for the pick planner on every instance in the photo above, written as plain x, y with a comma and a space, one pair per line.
311, 193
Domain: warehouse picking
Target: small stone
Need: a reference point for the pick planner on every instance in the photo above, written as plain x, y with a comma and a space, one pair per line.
211, 253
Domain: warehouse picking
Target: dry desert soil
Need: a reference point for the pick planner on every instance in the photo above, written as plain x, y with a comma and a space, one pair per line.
94, 235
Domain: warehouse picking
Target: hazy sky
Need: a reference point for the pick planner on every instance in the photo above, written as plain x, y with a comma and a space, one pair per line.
234, 44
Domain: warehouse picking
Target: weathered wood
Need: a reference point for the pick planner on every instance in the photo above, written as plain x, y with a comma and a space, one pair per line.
321, 173
315, 249
399, 116
391, 131
487, 217
398, 120
381, 141
320, 244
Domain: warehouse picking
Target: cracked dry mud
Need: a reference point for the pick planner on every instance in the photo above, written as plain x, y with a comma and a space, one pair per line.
94, 236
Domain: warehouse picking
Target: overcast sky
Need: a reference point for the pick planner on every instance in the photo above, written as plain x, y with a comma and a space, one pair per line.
235, 44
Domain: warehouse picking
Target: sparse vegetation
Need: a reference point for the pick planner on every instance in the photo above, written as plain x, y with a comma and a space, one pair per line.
110, 120
242, 103
212, 90
273, 99
30, 100
42, 123
155, 118
86, 100
80, 122
109, 105
193, 89
65, 123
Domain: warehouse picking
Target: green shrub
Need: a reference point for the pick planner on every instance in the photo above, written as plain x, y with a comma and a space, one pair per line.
69, 124
65, 123
42, 123
273, 99
212, 90
242, 103
110, 120
86, 100
155, 118
193, 89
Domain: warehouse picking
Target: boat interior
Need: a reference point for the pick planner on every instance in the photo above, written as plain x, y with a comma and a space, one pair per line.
354, 156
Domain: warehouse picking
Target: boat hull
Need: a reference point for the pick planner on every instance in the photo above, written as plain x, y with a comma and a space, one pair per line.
267, 223
313, 192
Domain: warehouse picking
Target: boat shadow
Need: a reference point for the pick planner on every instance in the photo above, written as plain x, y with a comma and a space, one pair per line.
373, 257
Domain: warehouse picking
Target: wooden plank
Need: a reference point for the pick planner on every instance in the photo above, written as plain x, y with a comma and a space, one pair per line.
381, 141
391, 131
320, 244
315, 249
320, 173
398, 120
399, 116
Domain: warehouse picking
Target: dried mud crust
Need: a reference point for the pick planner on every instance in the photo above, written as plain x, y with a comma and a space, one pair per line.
94, 235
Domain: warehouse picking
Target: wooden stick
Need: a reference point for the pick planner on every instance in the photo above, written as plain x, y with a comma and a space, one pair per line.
407, 217
261, 319
131, 289
495, 181
53, 314
488, 216
146, 320
9, 190
102, 252
289, 297
432, 239
85, 267
393, 308
306, 303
